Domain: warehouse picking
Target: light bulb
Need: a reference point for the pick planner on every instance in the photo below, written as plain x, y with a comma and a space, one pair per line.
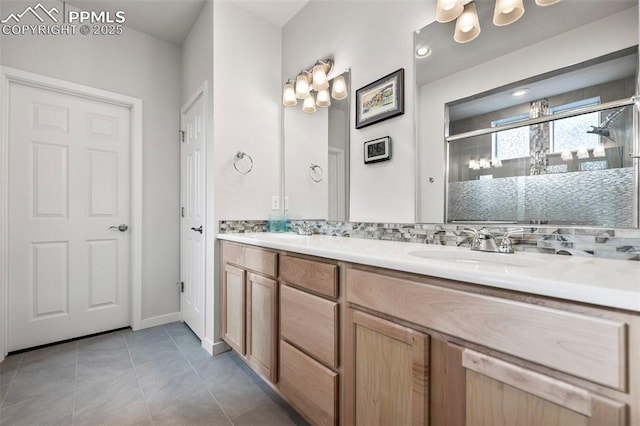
309, 105
323, 99
339, 88
467, 25
302, 87
289, 95
320, 81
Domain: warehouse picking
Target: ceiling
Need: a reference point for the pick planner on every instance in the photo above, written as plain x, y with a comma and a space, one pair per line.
171, 20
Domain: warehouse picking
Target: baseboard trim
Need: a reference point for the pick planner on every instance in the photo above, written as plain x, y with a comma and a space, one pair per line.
158, 320
220, 347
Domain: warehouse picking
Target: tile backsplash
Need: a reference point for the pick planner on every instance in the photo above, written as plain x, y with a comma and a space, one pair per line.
613, 243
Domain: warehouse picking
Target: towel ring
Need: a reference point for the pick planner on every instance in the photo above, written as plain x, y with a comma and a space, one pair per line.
239, 156
317, 174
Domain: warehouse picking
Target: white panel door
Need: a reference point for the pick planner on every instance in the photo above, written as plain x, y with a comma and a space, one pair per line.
69, 182
192, 194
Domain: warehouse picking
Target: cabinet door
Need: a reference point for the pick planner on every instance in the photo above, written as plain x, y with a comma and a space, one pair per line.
233, 307
262, 317
389, 385
498, 393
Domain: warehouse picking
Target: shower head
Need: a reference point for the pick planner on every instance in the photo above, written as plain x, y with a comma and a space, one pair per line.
600, 131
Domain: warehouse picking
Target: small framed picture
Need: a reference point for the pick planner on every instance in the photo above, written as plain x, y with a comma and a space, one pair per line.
377, 150
380, 100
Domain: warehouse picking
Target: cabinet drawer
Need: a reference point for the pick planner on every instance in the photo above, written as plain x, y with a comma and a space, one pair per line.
310, 322
253, 258
310, 386
318, 277
585, 346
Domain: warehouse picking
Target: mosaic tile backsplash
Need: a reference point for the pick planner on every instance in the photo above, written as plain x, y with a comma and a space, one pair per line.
613, 243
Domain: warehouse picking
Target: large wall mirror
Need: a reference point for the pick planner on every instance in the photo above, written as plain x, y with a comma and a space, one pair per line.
316, 160
562, 152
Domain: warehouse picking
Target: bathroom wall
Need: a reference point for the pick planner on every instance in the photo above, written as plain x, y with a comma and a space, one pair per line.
141, 66
579, 45
247, 117
373, 39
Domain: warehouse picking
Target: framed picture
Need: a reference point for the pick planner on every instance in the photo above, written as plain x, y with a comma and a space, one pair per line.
380, 100
377, 150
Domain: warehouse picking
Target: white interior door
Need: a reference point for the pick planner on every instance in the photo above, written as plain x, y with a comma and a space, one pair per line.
192, 194
69, 191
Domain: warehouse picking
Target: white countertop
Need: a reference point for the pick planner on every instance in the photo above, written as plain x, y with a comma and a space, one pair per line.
603, 282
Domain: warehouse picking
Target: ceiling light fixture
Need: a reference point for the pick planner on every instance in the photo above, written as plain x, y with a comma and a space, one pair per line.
313, 85
599, 152
423, 52
467, 22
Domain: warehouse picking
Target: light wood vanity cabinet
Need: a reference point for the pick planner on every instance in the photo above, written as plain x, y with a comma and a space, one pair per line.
489, 361
309, 334
250, 306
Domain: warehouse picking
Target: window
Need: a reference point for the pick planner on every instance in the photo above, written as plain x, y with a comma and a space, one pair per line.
568, 133
571, 133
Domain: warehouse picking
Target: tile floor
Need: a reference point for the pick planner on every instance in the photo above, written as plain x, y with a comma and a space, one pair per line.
157, 376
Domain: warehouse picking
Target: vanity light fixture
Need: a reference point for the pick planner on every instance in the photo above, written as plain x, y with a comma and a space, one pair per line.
473, 165
309, 105
598, 151
339, 88
289, 94
507, 12
467, 24
466, 14
582, 153
496, 163
448, 10
314, 83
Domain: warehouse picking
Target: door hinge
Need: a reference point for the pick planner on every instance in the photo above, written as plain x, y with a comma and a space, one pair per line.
182, 211
181, 286
181, 133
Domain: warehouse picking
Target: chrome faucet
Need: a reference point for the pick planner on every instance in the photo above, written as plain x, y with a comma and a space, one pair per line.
484, 240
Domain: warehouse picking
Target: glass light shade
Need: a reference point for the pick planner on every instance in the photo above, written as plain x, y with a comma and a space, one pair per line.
448, 10
467, 25
289, 95
484, 163
320, 80
323, 99
566, 155
496, 163
507, 12
302, 87
582, 153
309, 105
339, 88
472, 164
599, 152
546, 2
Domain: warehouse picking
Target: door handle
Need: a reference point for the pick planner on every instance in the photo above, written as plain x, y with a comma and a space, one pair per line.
198, 229
121, 227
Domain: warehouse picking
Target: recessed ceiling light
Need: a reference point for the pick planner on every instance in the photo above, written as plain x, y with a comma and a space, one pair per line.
520, 92
423, 52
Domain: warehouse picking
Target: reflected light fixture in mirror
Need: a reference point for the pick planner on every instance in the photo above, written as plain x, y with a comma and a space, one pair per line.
598, 152
448, 10
467, 25
315, 79
467, 22
507, 12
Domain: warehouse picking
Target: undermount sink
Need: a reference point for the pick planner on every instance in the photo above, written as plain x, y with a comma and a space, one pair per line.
479, 258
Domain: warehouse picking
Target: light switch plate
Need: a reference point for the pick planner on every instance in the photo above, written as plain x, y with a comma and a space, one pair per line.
275, 202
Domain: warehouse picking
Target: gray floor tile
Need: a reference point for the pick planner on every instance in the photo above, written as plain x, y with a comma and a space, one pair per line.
177, 329
7, 372
174, 390
146, 336
103, 364
239, 395
201, 410
12, 359
125, 414
53, 381
157, 372
3, 392
54, 407
269, 414
62, 352
114, 391
153, 351
109, 342
217, 370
